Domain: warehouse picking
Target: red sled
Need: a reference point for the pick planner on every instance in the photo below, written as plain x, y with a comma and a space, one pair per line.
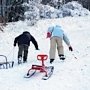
41, 68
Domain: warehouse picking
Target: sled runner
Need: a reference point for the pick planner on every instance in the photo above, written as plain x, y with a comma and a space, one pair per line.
48, 70
4, 63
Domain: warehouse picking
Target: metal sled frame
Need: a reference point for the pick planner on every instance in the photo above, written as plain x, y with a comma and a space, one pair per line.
42, 67
6, 63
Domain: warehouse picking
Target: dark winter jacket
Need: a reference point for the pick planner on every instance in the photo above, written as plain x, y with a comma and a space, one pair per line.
24, 39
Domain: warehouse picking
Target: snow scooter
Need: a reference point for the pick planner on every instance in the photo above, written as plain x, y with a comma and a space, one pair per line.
48, 70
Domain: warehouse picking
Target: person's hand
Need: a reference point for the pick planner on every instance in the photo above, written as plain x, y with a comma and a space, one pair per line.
37, 49
48, 34
14, 45
70, 48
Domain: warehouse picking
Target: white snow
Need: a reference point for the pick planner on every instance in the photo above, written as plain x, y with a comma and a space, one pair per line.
73, 74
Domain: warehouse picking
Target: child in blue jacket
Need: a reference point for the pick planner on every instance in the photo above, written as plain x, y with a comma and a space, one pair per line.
57, 35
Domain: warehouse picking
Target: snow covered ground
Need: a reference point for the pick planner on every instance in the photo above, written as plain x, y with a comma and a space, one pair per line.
73, 74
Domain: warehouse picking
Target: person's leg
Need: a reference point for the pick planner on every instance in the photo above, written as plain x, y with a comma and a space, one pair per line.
60, 48
20, 51
52, 49
25, 53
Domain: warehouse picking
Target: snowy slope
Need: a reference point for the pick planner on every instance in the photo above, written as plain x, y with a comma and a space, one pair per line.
73, 74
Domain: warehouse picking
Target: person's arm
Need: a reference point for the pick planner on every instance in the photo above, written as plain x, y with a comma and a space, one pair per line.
34, 42
65, 38
49, 32
16, 40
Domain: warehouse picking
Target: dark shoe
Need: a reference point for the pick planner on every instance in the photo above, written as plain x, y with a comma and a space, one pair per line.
20, 60
51, 60
62, 57
25, 61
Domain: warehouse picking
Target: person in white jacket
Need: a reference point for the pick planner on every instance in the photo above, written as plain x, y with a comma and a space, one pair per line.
57, 35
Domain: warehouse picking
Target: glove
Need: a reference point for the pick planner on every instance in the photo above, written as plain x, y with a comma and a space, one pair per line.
14, 45
37, 49
70, 48
48, 34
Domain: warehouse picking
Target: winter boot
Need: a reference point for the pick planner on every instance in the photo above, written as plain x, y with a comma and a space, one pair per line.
51, 60
24, 60
19, 60
62, 57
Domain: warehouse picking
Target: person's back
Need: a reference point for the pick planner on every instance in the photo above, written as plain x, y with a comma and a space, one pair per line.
57, 31
23, 39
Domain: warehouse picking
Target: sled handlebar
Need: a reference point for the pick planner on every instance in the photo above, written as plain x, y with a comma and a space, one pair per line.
42, 57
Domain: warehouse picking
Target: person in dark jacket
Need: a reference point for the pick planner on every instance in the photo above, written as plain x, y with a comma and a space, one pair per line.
23, 42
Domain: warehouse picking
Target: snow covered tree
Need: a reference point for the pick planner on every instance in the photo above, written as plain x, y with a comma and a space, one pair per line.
85, 3
32, 12
74, 9
16, 11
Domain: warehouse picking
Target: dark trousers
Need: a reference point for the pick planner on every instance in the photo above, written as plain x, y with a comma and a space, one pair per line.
23, 52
